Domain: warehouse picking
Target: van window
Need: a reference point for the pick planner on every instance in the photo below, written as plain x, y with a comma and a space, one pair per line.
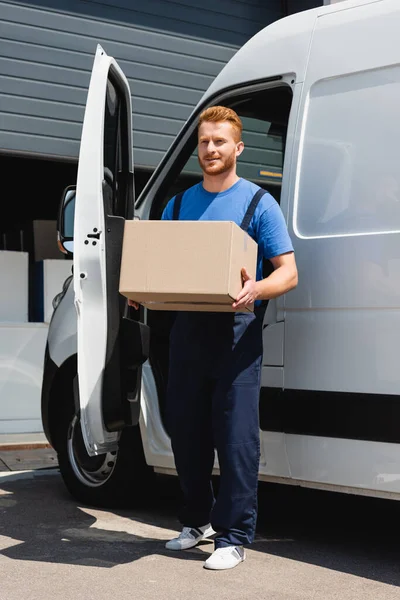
111, 131
262, 159
349, 180
265, 116
115, 150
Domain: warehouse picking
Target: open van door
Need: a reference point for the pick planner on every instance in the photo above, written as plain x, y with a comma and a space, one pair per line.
107, 388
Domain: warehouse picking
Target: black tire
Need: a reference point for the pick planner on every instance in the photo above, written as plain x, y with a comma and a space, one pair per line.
115, 480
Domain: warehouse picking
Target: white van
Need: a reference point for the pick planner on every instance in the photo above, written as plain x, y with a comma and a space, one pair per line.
319, 93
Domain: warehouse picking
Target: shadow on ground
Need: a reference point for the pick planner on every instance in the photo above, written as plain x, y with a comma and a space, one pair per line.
350, 534
355, 535
39, 521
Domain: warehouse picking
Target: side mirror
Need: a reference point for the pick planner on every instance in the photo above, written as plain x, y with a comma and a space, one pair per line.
65, 222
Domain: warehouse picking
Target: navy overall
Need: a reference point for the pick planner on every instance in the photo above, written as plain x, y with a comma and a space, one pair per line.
212, 402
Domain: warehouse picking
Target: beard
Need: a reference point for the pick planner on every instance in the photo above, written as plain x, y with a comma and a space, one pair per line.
220, 166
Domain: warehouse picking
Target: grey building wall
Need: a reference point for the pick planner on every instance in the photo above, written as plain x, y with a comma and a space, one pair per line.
293, 6
169, 50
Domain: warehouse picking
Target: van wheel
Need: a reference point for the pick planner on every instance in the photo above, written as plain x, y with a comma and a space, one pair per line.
116, 479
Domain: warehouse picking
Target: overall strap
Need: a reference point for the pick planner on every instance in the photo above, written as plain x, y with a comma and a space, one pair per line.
177, 206
251, 209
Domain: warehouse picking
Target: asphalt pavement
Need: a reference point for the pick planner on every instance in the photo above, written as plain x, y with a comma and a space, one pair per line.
309, 545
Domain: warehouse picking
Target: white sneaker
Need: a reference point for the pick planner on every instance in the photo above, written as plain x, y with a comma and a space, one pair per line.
225, 558
190, 537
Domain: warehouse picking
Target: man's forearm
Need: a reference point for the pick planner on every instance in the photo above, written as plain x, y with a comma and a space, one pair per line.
280, 281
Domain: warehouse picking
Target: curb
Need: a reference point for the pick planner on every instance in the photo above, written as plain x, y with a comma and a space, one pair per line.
23, 446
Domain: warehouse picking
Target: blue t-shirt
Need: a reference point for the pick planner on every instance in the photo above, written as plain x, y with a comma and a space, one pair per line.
267, 227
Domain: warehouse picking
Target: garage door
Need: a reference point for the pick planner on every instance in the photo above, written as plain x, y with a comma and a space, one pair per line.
169, 50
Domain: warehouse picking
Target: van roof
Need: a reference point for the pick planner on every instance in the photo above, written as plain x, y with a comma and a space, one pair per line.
279, 49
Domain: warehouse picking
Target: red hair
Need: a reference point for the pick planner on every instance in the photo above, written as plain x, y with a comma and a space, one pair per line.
221, 114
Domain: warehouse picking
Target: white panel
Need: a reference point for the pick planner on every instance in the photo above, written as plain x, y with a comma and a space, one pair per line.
55, 272
21, 426
354, 37
347, 350
271, 314
354, 463
273, 454
341, 320
273, 336
22, 349
14, 286
272, 377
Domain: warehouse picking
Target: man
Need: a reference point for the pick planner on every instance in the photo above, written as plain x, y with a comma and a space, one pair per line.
215, 358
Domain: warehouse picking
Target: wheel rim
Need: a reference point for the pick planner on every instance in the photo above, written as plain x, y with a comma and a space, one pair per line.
92, 471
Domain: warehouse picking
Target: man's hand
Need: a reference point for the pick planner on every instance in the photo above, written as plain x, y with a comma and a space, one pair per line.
133, 303
249, 292
282, 279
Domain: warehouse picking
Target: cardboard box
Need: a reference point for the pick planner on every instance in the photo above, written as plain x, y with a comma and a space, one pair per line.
185, 265
38, 238
45, 240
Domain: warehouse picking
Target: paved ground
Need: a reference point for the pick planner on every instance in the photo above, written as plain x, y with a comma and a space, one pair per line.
25, 451
309, 546
25, 459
